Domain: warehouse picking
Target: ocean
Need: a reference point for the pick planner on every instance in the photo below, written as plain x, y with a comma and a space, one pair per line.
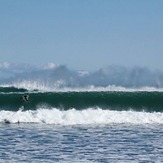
81, 125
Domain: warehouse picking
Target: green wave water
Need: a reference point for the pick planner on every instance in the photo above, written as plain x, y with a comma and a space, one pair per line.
11, 89
111, 100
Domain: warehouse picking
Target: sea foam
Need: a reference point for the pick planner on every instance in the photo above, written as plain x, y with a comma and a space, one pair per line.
73, 117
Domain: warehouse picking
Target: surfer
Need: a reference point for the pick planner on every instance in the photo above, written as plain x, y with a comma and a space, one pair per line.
25, 97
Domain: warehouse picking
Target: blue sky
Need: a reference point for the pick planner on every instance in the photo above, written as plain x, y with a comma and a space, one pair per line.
82, 34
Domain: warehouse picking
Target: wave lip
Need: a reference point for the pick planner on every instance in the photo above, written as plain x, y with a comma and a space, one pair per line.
55, 87
74, 117
11, 89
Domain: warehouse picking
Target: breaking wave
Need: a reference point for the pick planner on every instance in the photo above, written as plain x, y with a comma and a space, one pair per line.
60, 76
73, 117
58, 95
108, 100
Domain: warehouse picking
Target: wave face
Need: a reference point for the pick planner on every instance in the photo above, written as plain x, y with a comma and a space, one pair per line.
80, 107
12, 99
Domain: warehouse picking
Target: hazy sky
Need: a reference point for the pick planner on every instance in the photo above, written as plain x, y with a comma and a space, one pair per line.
82, 34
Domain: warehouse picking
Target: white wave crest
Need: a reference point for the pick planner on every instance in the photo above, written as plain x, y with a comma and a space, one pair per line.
73, 117
41, 86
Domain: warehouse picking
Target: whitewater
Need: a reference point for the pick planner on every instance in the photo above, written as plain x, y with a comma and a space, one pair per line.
75, 117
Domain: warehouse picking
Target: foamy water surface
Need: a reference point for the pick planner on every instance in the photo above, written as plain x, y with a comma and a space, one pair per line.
75, 117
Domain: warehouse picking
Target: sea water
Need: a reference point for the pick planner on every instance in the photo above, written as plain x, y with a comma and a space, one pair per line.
81, 126
81, 143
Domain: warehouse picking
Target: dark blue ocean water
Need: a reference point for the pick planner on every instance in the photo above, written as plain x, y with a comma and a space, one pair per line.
81, 143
